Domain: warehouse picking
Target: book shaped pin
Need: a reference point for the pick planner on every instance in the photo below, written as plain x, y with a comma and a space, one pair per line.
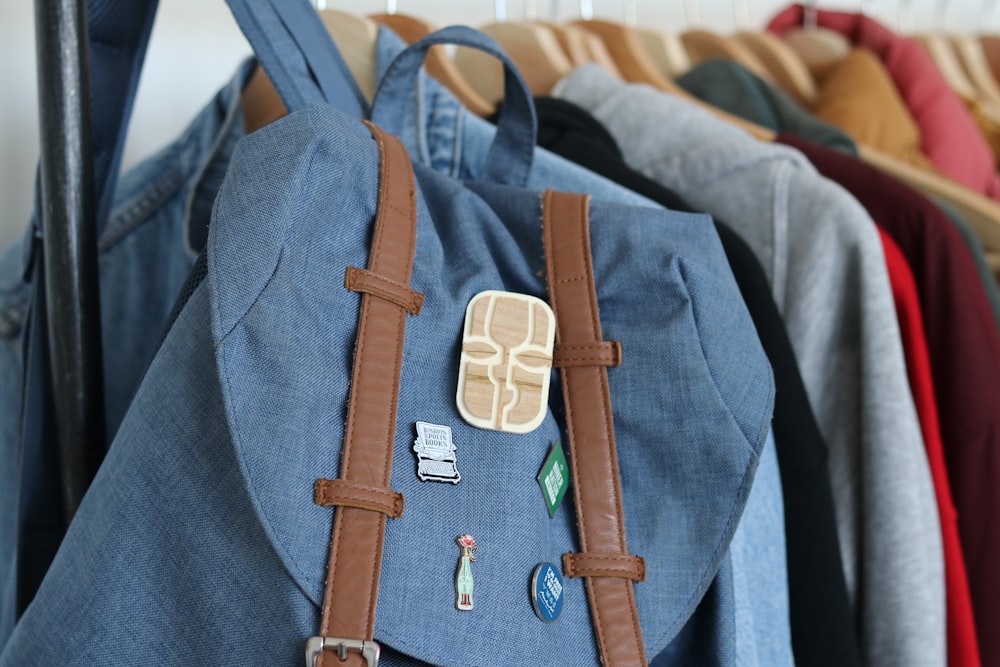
506, 362
435, 454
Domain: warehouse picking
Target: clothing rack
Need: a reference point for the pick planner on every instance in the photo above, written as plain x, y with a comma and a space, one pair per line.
67, 297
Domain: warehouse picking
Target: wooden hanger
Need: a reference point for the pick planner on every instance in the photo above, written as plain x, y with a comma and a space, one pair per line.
943, 55
786, 67
573, 42
982, 213
598, 52
819, 48
637, 67
355, 39
702, 45
973, 60
666, 50
582, 47
533, 48
991, 49
626, 49
438, 64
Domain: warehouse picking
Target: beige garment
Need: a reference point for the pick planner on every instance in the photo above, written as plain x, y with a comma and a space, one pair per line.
857, 95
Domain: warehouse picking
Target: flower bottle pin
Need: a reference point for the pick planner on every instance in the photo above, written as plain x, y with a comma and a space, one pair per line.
463, 580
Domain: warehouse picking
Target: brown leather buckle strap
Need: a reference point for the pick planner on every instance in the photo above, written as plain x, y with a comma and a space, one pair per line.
361, 280
593, 455
366, 459
344, 493
597, 564
572, 355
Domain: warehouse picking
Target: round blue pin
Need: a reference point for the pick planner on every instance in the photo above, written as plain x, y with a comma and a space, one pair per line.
547, 592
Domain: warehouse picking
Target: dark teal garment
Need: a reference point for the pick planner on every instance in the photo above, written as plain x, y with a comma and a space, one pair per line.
978, 257
731, 87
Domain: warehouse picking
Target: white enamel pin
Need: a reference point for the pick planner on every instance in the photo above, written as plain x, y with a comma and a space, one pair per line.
463, 579
503, 382
435, 454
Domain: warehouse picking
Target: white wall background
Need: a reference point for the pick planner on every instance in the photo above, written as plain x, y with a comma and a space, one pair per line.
196, 45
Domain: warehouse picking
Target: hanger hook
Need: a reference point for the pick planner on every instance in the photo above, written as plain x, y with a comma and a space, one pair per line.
904, 11
940, 9
530, 10
741, 19
986, 11
631, 10
691, 13
587, 10
390, 6
810, 16
500, 10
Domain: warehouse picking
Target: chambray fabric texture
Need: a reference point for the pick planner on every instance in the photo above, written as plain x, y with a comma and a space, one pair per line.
180, 198
450, 139
144, 257
158, 225
822, 255
243, 406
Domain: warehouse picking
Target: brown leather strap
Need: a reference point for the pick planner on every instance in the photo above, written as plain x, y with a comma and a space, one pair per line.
593, 455
361, 280
344, 493
366, 458
596, 564
570, 355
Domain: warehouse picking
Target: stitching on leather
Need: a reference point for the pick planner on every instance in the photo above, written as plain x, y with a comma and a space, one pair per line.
410, 222
598, 623
581, 567
608, 442
333, 492
577, 557
557, 280
390, 508
385, 175
580, 206
361, 280
607, 573
360, 356
383, 188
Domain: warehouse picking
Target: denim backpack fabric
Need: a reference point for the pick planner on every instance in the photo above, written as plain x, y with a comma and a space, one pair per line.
199, 540
156, 226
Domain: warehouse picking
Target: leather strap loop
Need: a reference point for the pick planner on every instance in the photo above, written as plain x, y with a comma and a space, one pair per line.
597, 564
366, 457
362, 280
343, 493
590, 427
605, 353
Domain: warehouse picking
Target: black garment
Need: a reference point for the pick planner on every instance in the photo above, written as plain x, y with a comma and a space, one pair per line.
821, 620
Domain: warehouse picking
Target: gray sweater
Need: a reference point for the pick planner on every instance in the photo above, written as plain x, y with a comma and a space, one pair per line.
824, 259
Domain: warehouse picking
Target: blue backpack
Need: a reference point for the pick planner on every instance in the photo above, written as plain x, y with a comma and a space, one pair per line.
356, 311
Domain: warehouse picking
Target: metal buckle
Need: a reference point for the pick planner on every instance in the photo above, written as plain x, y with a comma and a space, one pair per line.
369, 650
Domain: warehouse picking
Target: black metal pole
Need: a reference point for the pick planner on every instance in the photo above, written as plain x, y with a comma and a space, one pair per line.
70, 242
